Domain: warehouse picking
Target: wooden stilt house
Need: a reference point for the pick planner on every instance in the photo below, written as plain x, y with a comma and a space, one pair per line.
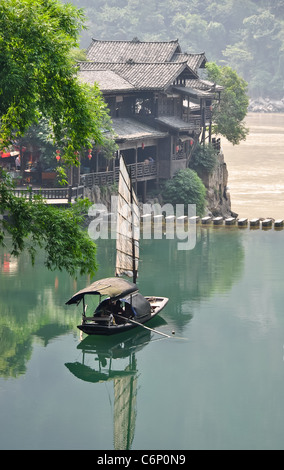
160, 107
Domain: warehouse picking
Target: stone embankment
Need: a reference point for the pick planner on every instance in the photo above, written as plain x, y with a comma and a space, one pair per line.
266, 105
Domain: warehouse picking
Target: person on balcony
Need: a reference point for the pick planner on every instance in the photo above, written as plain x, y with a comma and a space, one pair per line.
18, 163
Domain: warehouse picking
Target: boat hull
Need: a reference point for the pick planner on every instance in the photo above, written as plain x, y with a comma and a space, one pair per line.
93, 328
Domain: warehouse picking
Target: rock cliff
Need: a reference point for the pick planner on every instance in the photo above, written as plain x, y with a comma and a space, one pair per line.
216, 183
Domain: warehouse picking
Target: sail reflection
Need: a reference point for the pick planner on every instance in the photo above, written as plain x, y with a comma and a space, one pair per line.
109, 354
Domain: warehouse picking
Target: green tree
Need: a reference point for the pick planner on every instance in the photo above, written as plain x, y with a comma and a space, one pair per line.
185, 188
40, 136
192, 30
239, 58
229, 114
204, 157
33, 224
38, 79
263, 36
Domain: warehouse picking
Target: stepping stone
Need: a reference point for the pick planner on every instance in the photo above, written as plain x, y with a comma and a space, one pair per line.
146, 217
218, 220
242, 222
230, 221
254, 222
267, 223
194, 220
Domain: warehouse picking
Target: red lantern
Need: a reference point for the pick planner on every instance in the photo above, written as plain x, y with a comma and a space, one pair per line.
90, 154
57, 155
191, 142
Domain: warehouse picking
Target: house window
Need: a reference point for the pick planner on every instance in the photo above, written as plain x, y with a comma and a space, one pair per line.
166, 107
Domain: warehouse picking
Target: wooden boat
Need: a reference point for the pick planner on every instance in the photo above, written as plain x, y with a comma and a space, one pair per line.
122, 307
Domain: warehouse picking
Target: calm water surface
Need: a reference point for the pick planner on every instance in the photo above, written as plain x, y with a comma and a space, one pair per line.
218, 383
256, 168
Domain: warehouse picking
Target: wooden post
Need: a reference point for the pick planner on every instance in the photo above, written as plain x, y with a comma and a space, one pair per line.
136, 161
144, 191
69, 193
203, 123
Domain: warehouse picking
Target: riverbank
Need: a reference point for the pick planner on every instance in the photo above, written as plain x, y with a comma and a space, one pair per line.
266, 105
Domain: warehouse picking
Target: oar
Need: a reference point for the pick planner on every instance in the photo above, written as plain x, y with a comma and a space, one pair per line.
143, 326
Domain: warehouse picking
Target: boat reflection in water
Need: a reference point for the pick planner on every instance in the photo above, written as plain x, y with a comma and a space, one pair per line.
108, 351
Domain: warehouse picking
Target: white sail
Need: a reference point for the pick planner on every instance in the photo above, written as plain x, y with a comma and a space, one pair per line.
128, 226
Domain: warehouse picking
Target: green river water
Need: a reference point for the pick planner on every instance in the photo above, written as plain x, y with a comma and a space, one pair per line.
217, 383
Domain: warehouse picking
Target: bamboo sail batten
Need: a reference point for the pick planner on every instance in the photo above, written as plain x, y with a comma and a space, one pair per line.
128, 226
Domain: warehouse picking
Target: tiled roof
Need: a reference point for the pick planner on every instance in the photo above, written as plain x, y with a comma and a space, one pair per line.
135, 65
204, 85
126, 128
122, 51
194, 92
146, 76
175, 123
108, 80
194, 61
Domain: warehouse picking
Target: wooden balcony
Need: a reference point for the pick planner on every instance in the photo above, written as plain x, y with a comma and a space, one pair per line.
139, 172
53, 196
196, 120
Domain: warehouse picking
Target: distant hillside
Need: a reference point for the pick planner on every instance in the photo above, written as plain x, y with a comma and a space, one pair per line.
247, 35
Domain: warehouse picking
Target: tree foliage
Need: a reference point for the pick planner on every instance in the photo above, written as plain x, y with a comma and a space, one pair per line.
32, 224
229, 114
38, 79
204, 157
185, 188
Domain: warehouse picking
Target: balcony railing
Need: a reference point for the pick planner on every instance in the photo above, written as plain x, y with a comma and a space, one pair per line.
139, 172
195, 120
216, 144
57, 194
102, 178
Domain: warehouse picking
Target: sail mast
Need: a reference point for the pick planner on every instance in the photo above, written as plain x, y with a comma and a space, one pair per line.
134, 268
128, 226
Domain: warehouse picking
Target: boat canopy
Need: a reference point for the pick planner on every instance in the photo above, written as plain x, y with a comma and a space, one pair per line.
140, 305
113, 287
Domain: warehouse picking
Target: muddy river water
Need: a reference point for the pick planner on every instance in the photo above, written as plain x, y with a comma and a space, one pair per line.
256, 168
